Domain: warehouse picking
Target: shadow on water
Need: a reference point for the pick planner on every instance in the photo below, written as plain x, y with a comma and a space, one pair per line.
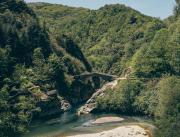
69, 123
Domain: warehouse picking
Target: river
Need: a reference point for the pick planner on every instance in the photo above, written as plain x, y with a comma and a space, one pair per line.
70, 123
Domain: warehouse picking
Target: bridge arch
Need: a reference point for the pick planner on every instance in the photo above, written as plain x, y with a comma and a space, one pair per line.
103, 76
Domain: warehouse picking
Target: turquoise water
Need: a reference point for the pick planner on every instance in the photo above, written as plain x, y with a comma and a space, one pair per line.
70, 123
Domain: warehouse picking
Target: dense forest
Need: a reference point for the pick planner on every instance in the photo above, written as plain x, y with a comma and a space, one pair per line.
42, 46
109, 37
34, 66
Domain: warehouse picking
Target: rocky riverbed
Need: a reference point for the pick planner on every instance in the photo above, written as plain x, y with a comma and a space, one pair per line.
92, 125
123, 131
130, 130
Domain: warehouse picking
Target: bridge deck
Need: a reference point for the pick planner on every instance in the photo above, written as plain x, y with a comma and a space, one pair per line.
93, 74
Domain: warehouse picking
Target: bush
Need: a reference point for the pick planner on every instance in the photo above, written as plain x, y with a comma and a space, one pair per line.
168, 108
122, 99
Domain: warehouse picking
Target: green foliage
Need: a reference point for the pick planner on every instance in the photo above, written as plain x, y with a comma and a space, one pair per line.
168, 108
30, 66
5, 64
57, 16
109, 37
72, 48
16, 6
152, 57
168, 93
20, 34
162, 56
15, 114
123, 98
147, 100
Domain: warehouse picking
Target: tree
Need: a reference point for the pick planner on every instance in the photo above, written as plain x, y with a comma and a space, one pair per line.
168, 108
6, 65
177, 8
38, 58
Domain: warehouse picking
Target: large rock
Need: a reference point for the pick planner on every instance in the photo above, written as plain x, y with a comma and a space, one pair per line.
65, 105
48, 108
50, 105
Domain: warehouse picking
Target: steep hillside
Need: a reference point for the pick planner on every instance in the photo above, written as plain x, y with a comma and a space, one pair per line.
109, 37
36, 70
57, 16
153, 87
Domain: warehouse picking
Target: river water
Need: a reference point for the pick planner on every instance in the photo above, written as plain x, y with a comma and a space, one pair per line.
70, 123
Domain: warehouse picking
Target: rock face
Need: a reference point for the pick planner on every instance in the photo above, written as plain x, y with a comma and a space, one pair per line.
91, 105
48, 108
65, 105
51, 104
83, 89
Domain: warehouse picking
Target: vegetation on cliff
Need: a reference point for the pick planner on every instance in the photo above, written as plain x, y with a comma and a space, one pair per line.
153, 87
31, 64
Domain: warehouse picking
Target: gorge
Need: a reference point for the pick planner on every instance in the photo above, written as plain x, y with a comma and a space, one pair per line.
63, 68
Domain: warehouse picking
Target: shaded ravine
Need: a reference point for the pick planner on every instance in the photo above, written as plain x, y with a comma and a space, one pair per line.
73, 124
91, 105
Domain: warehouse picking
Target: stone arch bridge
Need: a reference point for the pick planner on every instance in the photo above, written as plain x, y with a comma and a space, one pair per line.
102, 76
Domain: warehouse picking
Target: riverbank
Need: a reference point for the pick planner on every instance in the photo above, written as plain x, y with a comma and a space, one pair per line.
128, 130
69, 124
122, 131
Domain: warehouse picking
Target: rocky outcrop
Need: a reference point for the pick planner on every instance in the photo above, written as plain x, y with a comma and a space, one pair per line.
65, 105
50, 105
48, 108
91, 105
